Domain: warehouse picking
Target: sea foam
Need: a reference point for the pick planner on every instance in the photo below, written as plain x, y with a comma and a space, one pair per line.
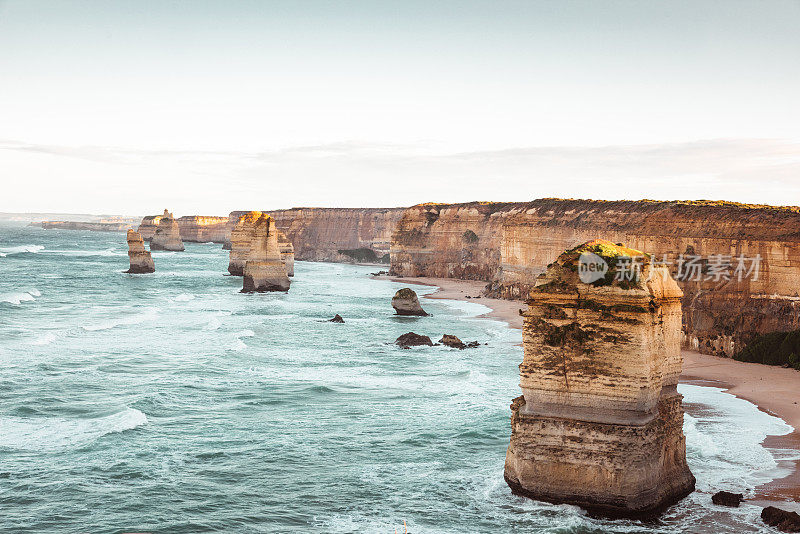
56, 433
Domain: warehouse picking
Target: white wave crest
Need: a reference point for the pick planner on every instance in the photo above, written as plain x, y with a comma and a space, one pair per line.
238, 345
18, 297
245, 333
21, 249
44, 339
137, 318
213, 324
56, 433
184, 297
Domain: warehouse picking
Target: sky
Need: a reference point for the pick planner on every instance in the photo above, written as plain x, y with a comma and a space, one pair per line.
204, 107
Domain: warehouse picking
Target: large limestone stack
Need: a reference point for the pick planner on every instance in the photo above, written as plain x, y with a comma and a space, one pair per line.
140, 259
168, 235
241, 238
241, 244
600, 421
264, 270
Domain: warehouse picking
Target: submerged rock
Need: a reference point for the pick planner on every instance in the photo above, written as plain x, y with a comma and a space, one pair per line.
405, 302
726, 498
264, 271
781, 519
452, 341
141, 261
413, 340
336, 319
167, 235
600, 421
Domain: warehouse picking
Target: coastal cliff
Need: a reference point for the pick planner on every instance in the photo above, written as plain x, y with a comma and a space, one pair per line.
509, 244
600, 421
193, 228
101, 226
345, 235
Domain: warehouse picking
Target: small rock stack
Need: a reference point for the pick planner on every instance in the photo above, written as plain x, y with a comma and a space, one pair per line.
168, 234
264, 270
405, 302
599, 424
140, 258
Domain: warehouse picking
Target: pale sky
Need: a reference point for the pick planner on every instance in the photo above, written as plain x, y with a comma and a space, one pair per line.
205, 107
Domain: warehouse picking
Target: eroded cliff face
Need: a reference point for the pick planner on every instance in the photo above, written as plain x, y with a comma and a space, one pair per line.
509, 244
139, 257
264, 270
242, 243
318, 234
600, 421
167, 235
193, 228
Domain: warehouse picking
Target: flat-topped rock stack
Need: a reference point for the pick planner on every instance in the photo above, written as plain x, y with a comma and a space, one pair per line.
140, 259
264, 270
167, 235
599, 424
241, 244
287, 252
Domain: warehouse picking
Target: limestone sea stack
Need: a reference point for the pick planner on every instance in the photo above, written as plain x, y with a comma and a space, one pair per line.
140, 258
167, 235
241, 238
264, 270
287, 253
405, 302
599, 424
241, 243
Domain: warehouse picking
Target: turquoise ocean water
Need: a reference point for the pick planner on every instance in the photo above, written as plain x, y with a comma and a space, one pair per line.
172, 403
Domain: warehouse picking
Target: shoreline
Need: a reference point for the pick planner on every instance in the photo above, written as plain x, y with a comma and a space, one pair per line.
771, 389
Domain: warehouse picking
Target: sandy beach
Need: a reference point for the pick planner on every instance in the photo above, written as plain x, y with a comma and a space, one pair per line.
774, 390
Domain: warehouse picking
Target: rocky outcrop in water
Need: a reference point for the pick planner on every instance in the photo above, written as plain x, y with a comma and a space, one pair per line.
140, 259
781, 519
405, 302
167, 235
336, 319
510, 244
726, 498
411, 339
264, 270
599, 424
452, 341
241, 244
287, 253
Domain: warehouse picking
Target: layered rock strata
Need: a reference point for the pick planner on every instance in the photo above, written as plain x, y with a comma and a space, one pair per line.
599, 424
363, 235
168, 235
406, 302
140, 259
510, 244
264, 270
193, 228
241, 244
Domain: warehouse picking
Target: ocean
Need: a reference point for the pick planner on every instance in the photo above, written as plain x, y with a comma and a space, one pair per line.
172, 403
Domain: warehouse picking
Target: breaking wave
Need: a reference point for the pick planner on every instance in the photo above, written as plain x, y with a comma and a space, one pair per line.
56, 433
21, 249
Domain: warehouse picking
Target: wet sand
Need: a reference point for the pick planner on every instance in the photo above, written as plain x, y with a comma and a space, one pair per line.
775, 390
